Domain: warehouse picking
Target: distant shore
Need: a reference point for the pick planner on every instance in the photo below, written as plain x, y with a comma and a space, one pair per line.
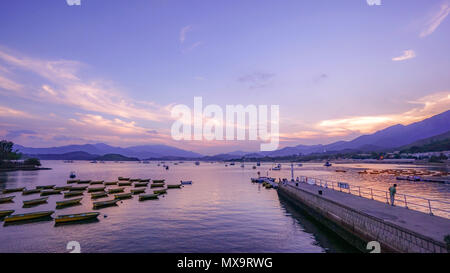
23, 168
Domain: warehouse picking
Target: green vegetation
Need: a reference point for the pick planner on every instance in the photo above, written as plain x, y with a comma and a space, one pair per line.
6, 151
32, 162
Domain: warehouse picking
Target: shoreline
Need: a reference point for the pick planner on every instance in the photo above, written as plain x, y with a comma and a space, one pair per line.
23, 169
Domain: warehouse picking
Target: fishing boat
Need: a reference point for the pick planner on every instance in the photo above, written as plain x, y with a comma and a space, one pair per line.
35, 201
277, 168
28, 216
13, 190
6, 199
76, 217
93, 161
80, 188
68, 202
123, 196
98, 195
258, 164
45, 187
341, 171
300, 165
4, 213
50, 192
71, 181
123, 178
327, 164
96, 182
232, 164
32, 191
157, 185
128, 183
147, 196
110, 183
187, 182
72, 175
254, 167
158, 180
140, 184
102, 204
144, 180
84, 181
96, 189
160, 191
135, 180
174, 186
197, 163
72, 194
116, 190
137, 191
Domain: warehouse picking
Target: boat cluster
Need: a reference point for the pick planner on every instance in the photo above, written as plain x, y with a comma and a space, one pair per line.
74, 192
267, 182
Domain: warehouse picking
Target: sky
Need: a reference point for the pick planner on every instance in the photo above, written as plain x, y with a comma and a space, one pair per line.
110, 71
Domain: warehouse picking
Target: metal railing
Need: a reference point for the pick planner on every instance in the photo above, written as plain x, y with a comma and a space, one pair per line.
431, 206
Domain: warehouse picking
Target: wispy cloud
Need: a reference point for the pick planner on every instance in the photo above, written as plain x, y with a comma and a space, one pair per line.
184, 31
256, 79
10, 112
63, 85
407, 54
436, 19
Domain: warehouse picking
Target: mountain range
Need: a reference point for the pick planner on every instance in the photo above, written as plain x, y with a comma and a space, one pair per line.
396, 136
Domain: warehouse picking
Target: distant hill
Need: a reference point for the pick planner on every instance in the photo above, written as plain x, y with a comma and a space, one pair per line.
82, 156
431, 144
141, 152
115, 157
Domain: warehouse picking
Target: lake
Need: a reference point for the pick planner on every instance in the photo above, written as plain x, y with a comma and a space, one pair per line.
222, 211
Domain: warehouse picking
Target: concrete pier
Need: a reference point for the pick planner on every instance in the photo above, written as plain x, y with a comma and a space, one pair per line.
360, 220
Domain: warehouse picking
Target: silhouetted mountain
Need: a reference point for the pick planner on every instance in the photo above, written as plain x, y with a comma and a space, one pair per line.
65, 156
145, 151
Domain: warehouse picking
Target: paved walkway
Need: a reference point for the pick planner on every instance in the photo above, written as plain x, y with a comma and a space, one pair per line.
434, 227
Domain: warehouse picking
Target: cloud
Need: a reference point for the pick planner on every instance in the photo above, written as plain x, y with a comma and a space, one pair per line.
184, 31
10, 112
436, 19
256, 79
17, 133
8, 84
63, 85
192, 47
427, 106
407, 54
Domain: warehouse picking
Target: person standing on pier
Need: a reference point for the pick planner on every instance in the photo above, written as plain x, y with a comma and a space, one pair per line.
392, 192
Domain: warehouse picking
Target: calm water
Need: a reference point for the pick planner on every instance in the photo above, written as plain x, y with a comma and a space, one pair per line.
221, 212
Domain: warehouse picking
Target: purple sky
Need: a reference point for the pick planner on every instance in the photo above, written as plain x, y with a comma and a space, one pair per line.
110, 71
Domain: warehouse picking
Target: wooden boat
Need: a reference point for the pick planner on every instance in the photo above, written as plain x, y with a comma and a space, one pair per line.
147, 196
63, 188
6, 199
98, 195
341, 171
160, 191
96, 189
4, 213
135, 179
50, 192
116, 190
72, 193
84, 181
35, 201
68, 202
107, 203
186, 182
81, 188
28, 216
157, 185
76, 217
174, 186
144, 180
96, 182
122, 196
124, 184
110, 183
13, 190
45, 187
140, 184
137, 191
123, 178
158, 180
32, 191
71, 181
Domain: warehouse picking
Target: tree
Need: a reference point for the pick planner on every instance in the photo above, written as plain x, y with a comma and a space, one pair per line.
6, 151
32, 162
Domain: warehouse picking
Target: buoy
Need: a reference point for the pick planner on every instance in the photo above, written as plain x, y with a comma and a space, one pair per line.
104, 216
